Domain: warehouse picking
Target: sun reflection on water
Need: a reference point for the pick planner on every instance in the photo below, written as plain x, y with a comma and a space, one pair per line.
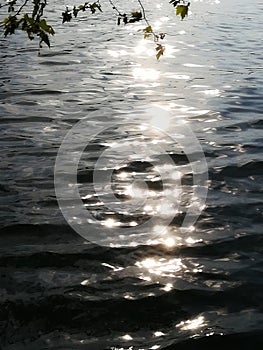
126, 337
160, 266
192, 324
146, 74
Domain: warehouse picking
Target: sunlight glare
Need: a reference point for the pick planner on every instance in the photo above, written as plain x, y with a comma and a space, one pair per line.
161, 266
126, 337
85, 282
191, 240
146, 74
168, 287
192, 324
158, 334
122, 175
169, 242
110, 223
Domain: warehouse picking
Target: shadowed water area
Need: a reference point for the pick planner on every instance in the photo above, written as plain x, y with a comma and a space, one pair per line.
202, 288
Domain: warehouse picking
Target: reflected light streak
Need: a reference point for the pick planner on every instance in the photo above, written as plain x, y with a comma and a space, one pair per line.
148, 208
85, 282
168, 287
158, 334
161, 266
133, 223
191, 240
122, 175
208, 92
111, 223
114, 268
117, 53
192, 324
126, 337
193, 65
145, 74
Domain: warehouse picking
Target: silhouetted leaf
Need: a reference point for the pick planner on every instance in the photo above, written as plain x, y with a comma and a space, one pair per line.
136, 17
174, 2
182, 10
47, 28
66, 16
44, 38
10, 24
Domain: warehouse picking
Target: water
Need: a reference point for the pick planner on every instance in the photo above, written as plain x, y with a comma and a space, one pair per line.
203, 288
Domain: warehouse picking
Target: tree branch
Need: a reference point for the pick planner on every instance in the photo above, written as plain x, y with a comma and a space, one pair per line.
143, 12
115, 8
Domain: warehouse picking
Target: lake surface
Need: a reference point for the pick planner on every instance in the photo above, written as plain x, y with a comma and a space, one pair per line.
198, 288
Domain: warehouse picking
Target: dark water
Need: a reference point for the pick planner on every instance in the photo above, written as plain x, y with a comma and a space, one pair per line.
204, 290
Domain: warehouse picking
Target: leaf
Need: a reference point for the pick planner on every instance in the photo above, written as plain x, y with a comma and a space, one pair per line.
182, 10
44, 38
6, 20
99, 7
47, 28
11, 24
160, 51
137, 16
30, 34
29, 20
66, 16
75, 11
93, 7
125, 19
148, 29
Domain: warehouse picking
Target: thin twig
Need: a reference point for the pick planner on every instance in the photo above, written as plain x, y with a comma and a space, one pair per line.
17, 12
143, 12
5, 5
21, 8
156, 37
115, 8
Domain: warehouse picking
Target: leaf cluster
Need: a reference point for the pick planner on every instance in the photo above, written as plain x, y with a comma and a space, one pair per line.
148, 32
92, 7
181, 7
32, 23
132, 18
28, 16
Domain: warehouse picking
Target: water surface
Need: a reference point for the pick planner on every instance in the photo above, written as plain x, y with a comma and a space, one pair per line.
59, 291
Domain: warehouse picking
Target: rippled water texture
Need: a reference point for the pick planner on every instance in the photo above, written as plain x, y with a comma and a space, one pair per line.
201, 288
